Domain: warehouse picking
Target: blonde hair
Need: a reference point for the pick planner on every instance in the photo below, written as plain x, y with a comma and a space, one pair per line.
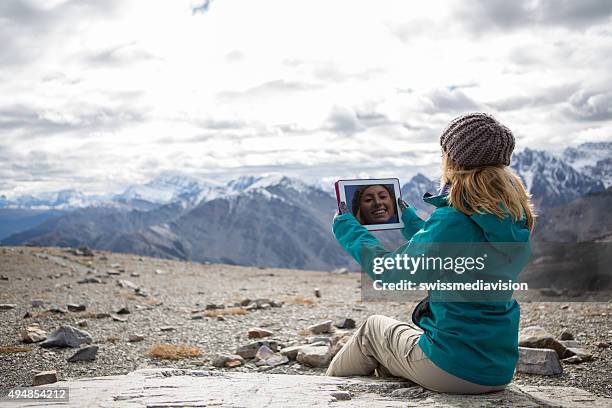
492, 189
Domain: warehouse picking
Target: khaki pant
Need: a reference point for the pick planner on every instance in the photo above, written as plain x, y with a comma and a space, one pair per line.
390, 348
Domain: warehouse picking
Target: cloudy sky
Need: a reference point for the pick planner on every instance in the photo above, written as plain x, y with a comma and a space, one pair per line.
99, 94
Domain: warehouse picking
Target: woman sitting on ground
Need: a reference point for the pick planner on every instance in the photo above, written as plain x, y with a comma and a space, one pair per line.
468, 346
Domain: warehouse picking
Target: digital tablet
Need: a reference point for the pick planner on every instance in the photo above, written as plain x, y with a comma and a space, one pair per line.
373, 202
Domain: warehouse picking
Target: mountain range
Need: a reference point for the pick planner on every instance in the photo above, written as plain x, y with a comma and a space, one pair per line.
273, 221
551, 180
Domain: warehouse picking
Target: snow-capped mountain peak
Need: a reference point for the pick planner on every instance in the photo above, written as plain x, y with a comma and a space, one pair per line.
278, 180
165, 188
241, 183
57, 200
587, 154
593, 159
551, 180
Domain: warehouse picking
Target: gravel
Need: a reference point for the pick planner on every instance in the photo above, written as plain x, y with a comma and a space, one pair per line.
173, 298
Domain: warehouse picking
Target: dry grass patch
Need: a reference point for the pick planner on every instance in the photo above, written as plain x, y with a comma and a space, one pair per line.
14, 349
234, 311
300, 300
173, 351
112, 339
153, 302
129, 295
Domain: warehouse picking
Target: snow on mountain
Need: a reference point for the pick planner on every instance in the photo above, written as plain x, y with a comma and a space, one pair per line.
551, 180
593, 159
602, 170
58, 200
164, 189
278, 180
266, 221
167, 188
265, 193
273, 186
587, 154
241, 183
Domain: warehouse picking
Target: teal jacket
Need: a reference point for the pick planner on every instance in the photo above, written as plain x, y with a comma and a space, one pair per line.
475, 339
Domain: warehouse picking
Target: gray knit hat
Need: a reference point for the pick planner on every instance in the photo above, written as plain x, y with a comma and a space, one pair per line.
477, 140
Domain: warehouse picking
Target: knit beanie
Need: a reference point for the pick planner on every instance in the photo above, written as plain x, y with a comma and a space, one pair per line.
477, 140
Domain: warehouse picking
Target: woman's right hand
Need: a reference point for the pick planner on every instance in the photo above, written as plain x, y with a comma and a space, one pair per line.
343, 209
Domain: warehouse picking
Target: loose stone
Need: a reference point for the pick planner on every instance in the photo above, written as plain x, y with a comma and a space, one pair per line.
45, 377
85, 354
73, 307
249, 350
134, 338
538, 361
346, 323
258, 332
123, 310
341, 395
227, 360
314, 356
38, 303
66, 336
321, 328
537, 337
33, 334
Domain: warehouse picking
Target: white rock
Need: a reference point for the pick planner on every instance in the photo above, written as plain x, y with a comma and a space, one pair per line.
538, 361
314, 356
292, 352
33, 334
124, 283
537, 337
320, 328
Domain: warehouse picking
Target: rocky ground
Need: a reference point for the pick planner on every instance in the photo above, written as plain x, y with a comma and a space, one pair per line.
178, 303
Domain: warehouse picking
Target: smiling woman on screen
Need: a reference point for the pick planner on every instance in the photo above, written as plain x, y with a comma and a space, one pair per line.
374, 204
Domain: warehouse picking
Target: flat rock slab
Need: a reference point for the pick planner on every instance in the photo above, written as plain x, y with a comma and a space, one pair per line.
173, 387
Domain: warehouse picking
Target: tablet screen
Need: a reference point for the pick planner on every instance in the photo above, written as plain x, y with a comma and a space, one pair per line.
373, 202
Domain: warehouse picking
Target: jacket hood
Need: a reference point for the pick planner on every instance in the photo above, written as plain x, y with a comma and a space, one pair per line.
500, 232
502, 229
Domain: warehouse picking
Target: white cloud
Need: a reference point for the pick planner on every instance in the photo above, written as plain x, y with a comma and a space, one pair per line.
99, 94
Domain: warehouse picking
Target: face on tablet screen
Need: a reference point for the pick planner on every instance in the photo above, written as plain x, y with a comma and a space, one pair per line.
373, 204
